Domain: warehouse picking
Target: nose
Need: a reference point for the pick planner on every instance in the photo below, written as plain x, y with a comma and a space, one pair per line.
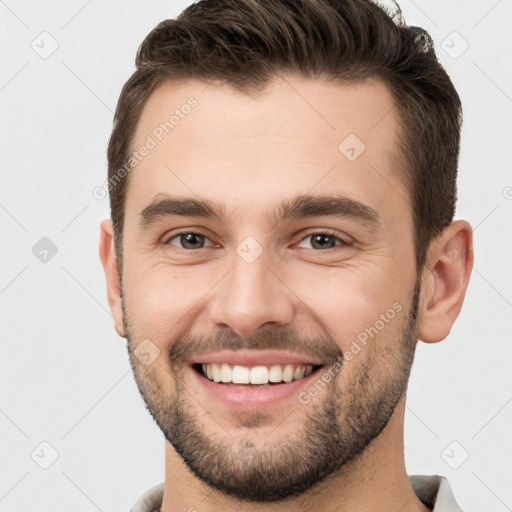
252, 296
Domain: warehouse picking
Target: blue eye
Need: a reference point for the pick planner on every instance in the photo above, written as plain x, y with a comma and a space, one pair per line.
324, 240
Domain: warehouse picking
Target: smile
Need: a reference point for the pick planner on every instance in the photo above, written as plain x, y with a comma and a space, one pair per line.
251, 379
256, 375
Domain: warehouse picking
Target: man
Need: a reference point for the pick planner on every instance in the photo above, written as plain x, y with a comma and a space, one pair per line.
282, 178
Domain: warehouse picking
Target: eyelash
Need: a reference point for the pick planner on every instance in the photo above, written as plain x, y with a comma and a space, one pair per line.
328, 232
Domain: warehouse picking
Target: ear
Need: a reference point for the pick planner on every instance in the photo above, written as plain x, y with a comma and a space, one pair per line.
109, 262
445, 280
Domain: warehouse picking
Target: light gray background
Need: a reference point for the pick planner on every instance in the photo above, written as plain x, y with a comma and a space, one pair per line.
64, 373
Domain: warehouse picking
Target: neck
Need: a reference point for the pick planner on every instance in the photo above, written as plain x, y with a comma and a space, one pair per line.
375, 481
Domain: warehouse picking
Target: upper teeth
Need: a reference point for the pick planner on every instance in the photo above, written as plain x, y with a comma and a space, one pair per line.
255, 375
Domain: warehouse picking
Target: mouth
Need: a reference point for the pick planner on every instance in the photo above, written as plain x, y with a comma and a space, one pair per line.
260, 376
252, 380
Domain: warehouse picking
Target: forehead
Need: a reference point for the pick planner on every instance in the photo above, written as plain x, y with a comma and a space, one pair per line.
296, 136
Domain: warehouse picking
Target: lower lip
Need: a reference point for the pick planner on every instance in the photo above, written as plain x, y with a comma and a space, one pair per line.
251, 397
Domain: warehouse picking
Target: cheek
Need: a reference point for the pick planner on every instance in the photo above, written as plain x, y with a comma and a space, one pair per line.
160, 301
351, 304
346, 302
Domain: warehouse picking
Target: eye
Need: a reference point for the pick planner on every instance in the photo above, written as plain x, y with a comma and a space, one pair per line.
189, 240
324, 240
320, 240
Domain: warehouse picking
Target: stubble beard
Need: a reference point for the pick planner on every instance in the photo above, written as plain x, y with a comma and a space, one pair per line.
336, 430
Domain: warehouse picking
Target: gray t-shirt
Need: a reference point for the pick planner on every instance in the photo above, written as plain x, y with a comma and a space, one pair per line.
434, 491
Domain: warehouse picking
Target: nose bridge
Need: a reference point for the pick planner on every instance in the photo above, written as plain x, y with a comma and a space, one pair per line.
251, 294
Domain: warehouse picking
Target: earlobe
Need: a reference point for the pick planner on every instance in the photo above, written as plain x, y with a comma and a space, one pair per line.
110, 267
445, 281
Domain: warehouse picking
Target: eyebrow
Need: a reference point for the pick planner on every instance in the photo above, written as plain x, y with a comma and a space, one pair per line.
304, 206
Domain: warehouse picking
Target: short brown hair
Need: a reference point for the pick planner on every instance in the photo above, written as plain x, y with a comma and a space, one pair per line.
246, 43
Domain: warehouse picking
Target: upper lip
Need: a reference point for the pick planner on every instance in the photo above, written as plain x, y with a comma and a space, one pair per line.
254, 358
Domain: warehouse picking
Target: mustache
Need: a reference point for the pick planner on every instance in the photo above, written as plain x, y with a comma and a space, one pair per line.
291, 340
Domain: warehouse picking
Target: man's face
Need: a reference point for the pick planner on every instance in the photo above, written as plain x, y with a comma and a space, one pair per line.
275, 286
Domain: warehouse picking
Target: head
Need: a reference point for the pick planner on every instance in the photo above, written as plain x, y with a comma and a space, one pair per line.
295, 197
